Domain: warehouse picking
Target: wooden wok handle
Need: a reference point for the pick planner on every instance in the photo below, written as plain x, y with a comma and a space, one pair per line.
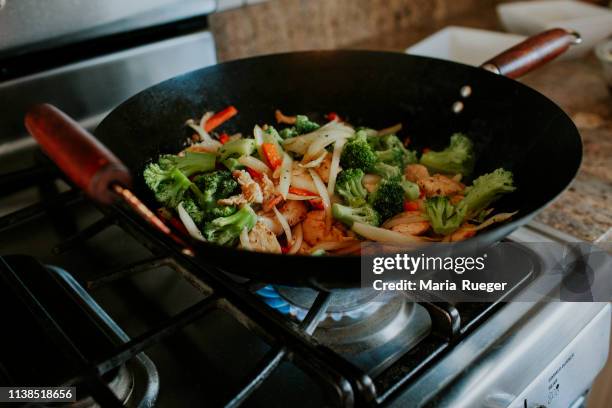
532, 52
88, 163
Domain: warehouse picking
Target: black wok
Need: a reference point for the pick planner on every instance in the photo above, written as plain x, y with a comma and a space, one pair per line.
512, 126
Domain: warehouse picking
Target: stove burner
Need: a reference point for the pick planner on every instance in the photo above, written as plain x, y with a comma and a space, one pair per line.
364, 324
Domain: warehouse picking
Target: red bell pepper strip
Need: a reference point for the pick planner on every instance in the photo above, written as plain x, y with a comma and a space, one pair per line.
411, 206
254, 173
301, 192
332, 116
219, 118
272, 155
224, 138
316, 203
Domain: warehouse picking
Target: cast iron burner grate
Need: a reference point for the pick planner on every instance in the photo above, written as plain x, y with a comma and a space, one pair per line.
348, 381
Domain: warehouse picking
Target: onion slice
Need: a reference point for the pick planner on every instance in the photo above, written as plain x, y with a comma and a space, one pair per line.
189, 224
285, 175
314, 163
384, 235
390, 130
283, 222
297, 242
334, 245
324, 196
334, 167
244, 239
204, 136
404, 218
255, 164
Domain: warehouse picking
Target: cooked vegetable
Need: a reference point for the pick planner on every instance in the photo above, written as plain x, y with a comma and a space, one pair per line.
212, 187
457, 158
444, 217
188, 222
348, 215
387, 199
219, 118
357, 153
302, 125
190, 163
485, 190
349, 186
193, 209
168, 183
237, 148
386, 171
390, 149
411, 190
272, 155
384, 235
226, 230
224, 138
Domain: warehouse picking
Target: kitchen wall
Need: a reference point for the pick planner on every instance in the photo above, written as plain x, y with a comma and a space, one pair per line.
291, 25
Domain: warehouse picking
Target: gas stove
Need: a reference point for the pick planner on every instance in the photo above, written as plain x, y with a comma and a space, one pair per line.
96, 301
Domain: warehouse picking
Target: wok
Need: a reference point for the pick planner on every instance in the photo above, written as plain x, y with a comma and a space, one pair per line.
512, 126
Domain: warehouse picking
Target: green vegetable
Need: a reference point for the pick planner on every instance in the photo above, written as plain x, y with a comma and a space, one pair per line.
289, 132
237, 148
391, 150
444, 217
411, 190
318, 252
388, 198
349, 187
194, 210
210, 188
386, 171
357, 153
302, 125
457, 158
305, 125
168, 184
226, 230
348, 215
190, 163
232, 163
486, 189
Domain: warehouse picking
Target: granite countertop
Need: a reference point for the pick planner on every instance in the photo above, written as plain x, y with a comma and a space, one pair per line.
578, 87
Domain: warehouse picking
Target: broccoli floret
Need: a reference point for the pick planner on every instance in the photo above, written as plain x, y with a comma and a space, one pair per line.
387, 199
289, 132
444, 217
348, 215
302, 125
386, 171
237, 148
486, 189
348, 185
168, 184
305, 125
357, 153
194, 210
231, 163
458, 157
392, 156
411, 190
226, 230
212, 187
190, 163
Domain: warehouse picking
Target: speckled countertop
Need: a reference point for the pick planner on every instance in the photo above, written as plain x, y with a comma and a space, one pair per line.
585, 209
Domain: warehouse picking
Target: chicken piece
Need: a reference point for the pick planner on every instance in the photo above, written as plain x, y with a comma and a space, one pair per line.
464, 232
315, 231
293, 211
251, 192
262, 239
413, 228
323, 168
416, 172
271, 197
439, 185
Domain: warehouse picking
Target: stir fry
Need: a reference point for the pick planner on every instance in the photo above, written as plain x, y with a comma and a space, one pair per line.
307, 188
